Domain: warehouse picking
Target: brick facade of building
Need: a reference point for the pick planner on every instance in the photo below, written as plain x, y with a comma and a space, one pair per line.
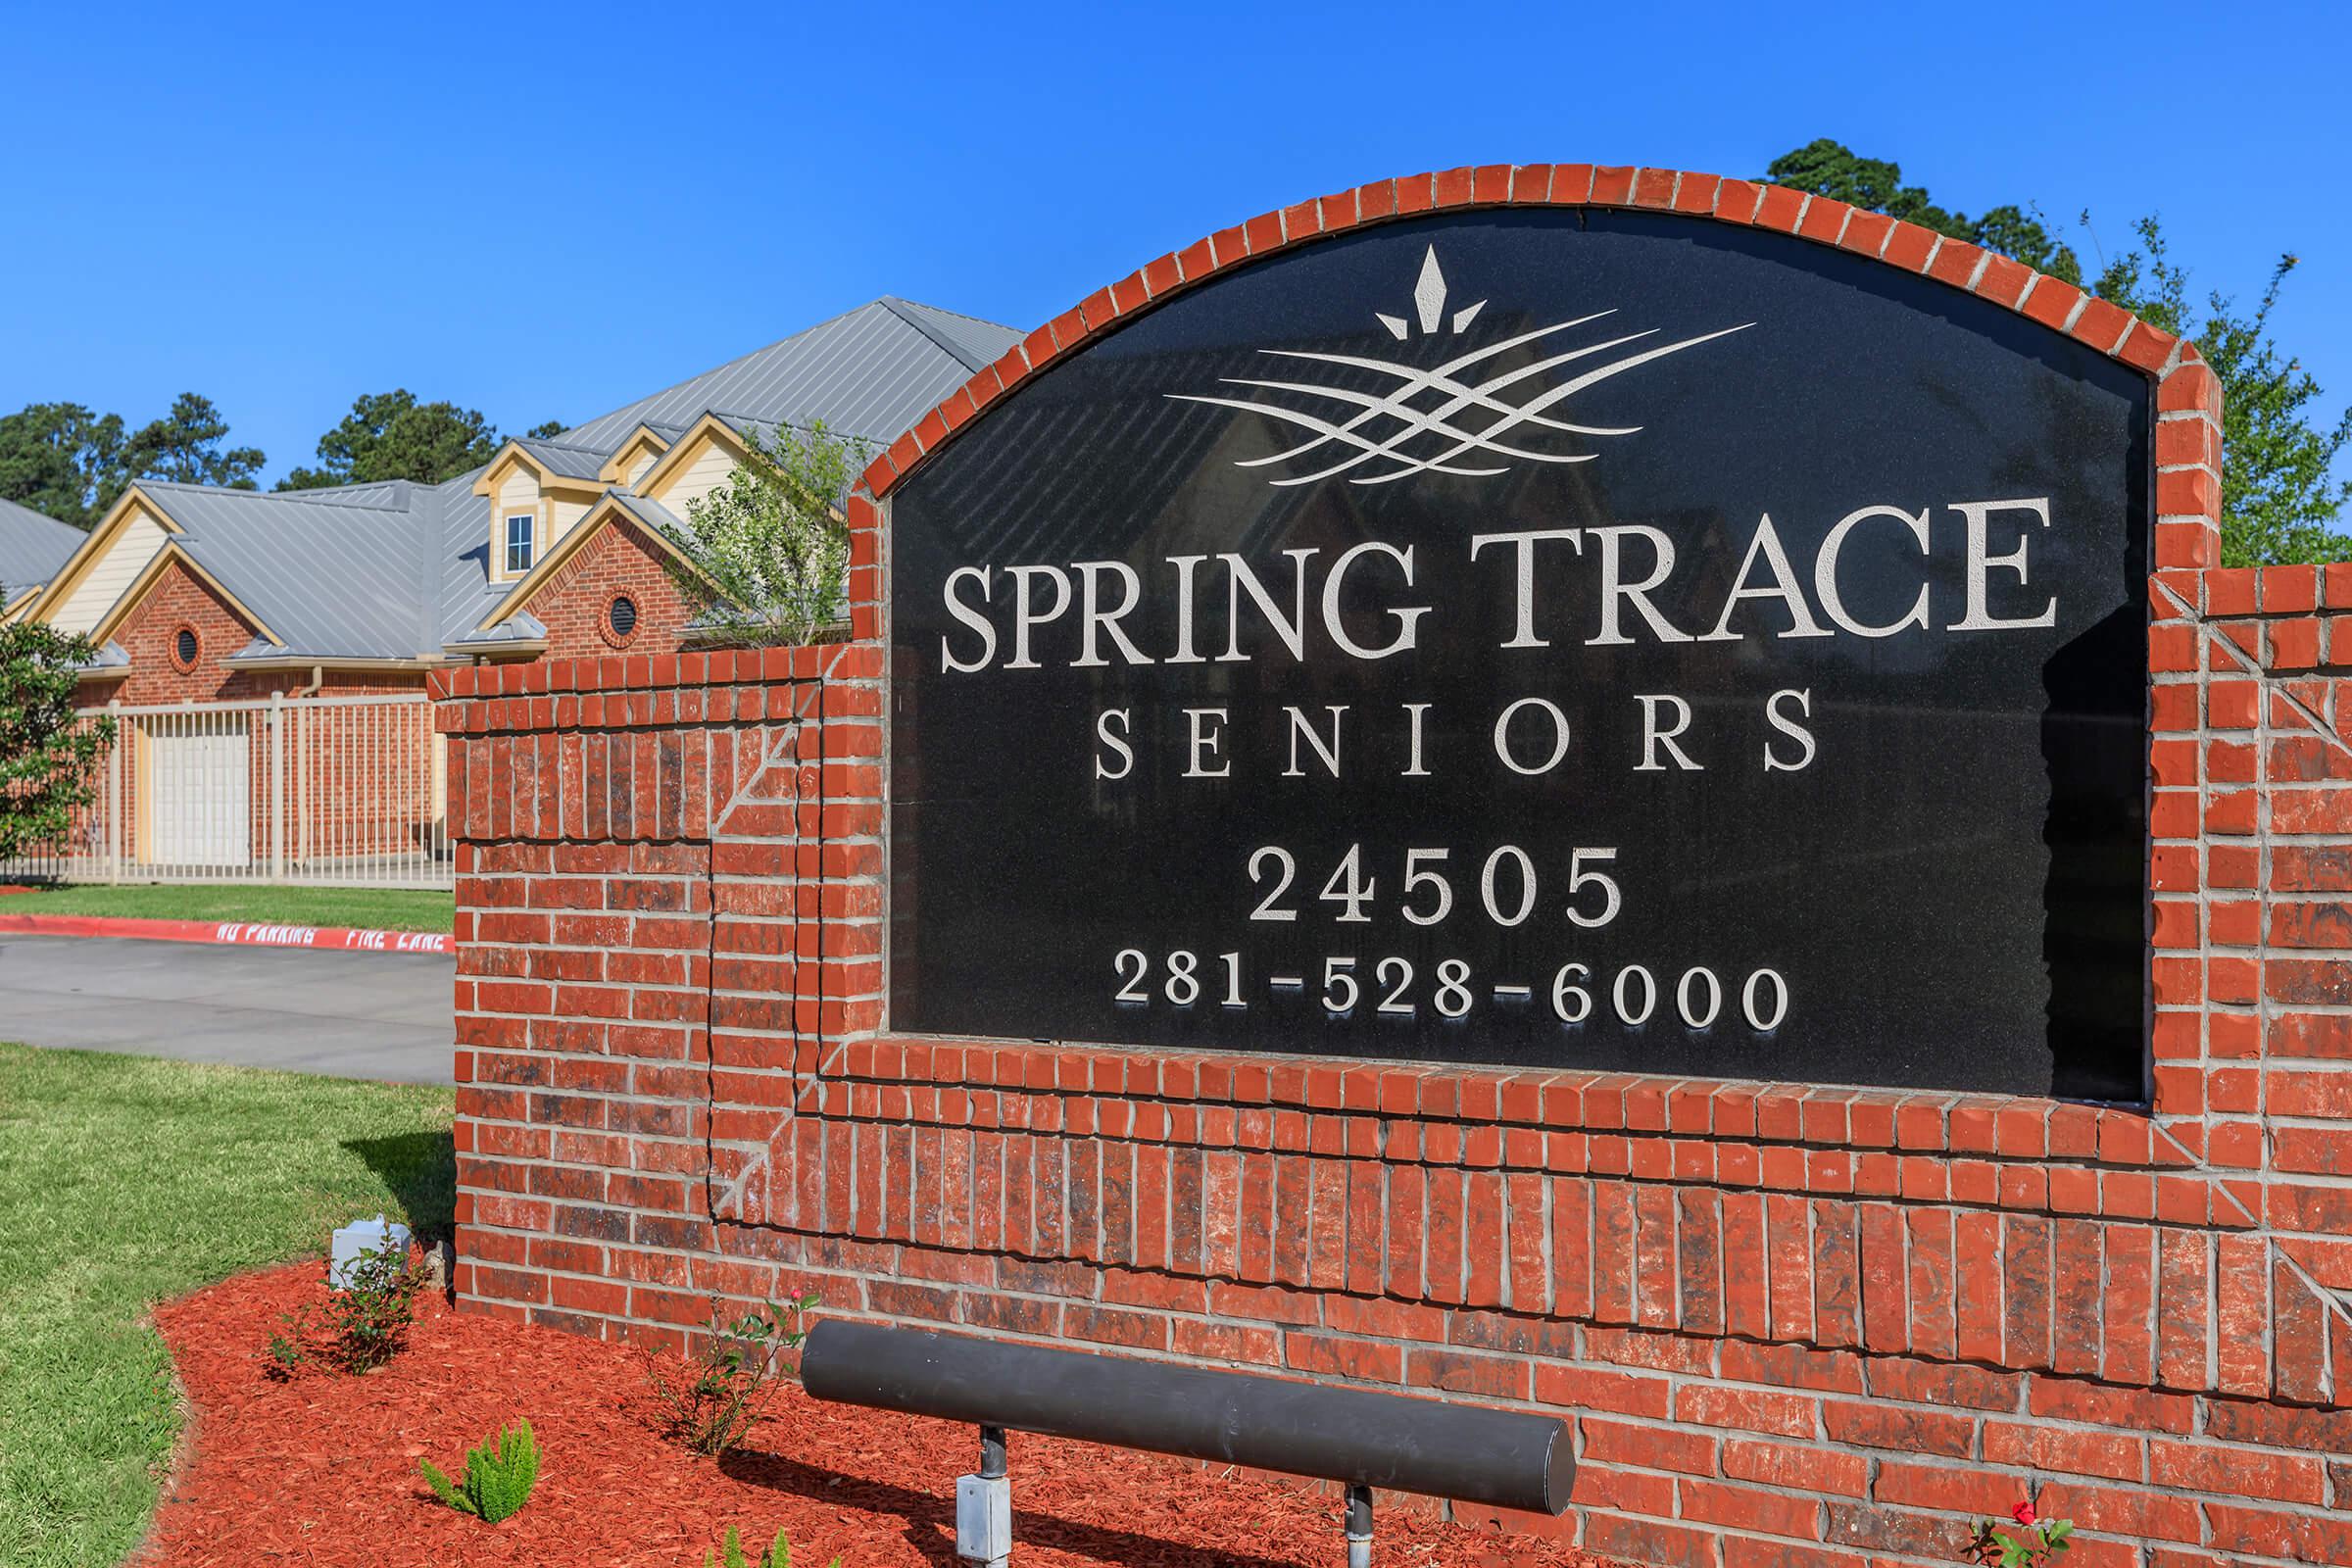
360, 783
1788, 1325
576, 604
178, 601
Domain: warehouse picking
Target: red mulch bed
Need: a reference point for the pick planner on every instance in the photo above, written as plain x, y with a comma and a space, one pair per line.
322, 1468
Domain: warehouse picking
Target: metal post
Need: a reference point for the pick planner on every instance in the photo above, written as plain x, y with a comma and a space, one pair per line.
1359, 1527
302, 747
114, 798
277, 786
983, 1506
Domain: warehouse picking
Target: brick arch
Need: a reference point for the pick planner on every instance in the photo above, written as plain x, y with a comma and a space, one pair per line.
2187, 437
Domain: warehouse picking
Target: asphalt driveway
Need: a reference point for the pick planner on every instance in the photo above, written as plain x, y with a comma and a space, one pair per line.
344, 1014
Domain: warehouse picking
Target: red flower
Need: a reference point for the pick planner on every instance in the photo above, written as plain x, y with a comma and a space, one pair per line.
2024, 1512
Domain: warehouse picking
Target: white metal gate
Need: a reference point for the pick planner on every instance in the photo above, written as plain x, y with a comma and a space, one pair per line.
341, 791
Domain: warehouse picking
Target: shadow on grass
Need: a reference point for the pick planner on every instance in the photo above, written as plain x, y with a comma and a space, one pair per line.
421, 1170
931, 1518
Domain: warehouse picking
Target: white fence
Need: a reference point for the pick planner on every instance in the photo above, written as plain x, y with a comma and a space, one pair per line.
334, 791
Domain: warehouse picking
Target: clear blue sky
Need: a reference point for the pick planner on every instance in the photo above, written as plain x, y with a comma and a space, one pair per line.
547, 213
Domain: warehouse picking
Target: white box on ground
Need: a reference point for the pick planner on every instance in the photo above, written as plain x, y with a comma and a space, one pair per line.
984, 1518
376, 1234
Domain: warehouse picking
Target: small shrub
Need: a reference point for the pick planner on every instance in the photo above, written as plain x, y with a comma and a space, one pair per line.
2030, 1541
779, 1554
360, 1326
499, 1476
728, 1384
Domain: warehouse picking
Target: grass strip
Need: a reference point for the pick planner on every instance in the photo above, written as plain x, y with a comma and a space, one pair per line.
371, 908
126, 1181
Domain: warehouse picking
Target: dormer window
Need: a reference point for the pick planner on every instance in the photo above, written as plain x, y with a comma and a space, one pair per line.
522, 534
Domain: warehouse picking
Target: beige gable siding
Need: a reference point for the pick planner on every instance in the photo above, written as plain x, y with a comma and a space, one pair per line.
564, 514
706, 473
638, 464
517, 493
112, 576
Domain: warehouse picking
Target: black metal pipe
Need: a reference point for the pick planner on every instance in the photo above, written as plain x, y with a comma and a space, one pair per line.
1505, 1458
992, 1453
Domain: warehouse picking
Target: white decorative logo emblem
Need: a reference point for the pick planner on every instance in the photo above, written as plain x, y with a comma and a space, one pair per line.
1418, 424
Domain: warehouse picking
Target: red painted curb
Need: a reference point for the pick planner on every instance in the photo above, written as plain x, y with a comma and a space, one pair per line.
240, 933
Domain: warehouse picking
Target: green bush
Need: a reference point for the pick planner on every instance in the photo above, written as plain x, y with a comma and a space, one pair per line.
779, 1553
735, 1375
364, 1324
499, 1476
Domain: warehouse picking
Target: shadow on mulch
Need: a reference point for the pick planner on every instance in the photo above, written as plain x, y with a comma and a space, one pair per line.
931, 1518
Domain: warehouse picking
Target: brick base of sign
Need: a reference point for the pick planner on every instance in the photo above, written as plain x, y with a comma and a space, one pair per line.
1789, 1325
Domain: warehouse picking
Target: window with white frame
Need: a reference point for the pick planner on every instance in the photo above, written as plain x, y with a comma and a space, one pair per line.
521, 535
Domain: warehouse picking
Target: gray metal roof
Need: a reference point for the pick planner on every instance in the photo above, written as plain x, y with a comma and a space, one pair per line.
520, 627
33, 546
871, 372
397, 569
565, 460
333, 578
383, 493
978, 344
653, 514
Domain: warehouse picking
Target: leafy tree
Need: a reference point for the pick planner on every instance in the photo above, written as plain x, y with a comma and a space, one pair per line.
390, 435
769, 550
48, 755
1827, 167
73, 463
2280, 495
185, 447
57, 457
547, 430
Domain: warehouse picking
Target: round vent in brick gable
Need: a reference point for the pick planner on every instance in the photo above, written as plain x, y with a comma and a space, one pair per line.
620, 617
184, 648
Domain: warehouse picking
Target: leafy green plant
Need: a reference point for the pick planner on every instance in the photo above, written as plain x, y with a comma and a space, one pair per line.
360, 1326
49, 754
2029, 1540
727, 1386
499, 1476
779, 1554
2283, 494
767, 553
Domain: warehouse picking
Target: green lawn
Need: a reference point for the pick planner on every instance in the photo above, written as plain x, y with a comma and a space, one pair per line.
381, 908
126, 1181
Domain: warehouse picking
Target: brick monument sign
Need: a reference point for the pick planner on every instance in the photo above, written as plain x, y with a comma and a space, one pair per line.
1587, 788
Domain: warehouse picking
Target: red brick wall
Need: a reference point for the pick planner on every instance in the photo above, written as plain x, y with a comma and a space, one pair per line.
1789, 1325
147, 634
180, 599
366, 784
574, 603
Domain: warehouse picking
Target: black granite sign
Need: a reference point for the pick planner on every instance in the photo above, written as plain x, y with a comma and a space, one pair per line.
1596, 640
